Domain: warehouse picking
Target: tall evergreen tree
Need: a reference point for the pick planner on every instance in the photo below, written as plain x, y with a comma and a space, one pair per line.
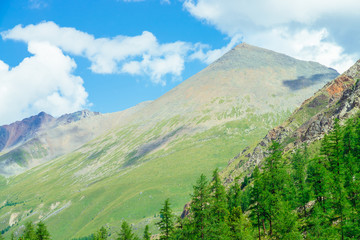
147, 234
256, 207
336, 167
101, 234
299, 163
29, 232
41, 231
184, 229
239, 225
218, 209
200, 210
234, 196
166, 224
285, 222
319, 177
126, 232
274, 181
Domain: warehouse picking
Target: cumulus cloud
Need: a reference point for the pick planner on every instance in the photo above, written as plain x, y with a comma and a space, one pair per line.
208, 56
119, 54
42, 82
301, 28
45, 81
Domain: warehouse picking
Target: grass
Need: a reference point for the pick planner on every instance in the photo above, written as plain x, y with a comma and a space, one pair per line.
94, 186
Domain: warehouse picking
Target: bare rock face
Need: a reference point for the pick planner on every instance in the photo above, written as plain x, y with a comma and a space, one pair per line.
24, 140
21, 131
339, 99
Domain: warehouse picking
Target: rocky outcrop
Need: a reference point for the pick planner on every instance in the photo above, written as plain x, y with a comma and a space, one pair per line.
20, 131
26, 143
339, 99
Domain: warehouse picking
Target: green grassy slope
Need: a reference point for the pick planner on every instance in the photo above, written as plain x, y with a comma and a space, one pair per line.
73, 204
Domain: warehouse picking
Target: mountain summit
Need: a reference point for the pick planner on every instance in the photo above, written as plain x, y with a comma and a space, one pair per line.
248, 76
137, 158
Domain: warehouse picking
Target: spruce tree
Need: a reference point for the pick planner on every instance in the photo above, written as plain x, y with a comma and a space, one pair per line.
41, 232
256, 207
336, 167
239, 225
166, 224
29, 232
101, 234
126, 232
285, 222
299, 163
218, 209
234, 196
200, 211
147, 234
184, 229
274, 181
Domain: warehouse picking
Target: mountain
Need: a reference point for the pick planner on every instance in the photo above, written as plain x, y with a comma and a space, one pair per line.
338, 99
40, 138
158, 149
20, 131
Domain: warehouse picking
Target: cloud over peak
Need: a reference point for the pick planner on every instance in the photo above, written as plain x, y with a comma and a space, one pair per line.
299, 28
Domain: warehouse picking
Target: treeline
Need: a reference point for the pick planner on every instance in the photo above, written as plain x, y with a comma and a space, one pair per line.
290, 197
294, 197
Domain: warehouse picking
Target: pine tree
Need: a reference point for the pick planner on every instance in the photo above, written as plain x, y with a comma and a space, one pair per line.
299, 163
29, 232
239, 225
336, 167
147, 234
256, 208
274, 182
101, 234
41, 232
184, 229
285, 225
200, 208
218, 209
234, 196
126, 232
166, 224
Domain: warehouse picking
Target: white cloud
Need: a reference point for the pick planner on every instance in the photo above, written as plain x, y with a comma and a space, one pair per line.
211, 55
276, 24
45, 81
42, 82
141, 55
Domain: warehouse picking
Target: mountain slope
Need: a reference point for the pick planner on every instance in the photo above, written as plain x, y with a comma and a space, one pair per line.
159, 150
339, 99
40, 138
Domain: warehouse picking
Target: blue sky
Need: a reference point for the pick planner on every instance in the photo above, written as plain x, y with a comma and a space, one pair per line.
60, 56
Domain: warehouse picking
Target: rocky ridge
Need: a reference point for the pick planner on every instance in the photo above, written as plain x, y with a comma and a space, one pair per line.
338, 99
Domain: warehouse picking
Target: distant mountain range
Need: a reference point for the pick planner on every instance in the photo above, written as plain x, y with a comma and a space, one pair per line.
79, 173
